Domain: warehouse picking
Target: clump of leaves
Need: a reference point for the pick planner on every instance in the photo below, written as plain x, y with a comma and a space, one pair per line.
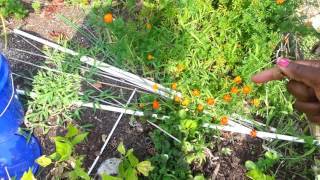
66, 163
36, 6
257, 170
54, 97
12, 8
130, 167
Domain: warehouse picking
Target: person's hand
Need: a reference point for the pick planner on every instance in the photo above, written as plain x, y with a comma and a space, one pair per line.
304, 84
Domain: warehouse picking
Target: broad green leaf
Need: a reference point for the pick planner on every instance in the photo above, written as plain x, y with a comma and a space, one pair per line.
79, 138
54, 156
108, 177
133, 159
43, 161
272, 155
199, 178
72, 131
28, 175
188, 125
145, 167
122, 169
256, 174
250, 165
121, 149
131, 174
64, 149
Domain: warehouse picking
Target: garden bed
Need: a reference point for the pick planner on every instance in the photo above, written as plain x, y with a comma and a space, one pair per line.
186, 51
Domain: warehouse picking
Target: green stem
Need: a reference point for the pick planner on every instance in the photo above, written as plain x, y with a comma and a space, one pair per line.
4, 31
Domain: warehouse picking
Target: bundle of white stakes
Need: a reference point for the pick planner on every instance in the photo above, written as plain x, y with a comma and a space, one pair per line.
147, 85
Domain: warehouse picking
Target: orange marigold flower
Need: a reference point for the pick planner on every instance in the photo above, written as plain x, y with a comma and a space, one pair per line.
246, 89
150, 57
155, 104
255, 102
279, 2
196, 92
185, 102
177, 99
200, 107
174, 86
237, 80
155, 87
211, 101
148, 26
224, 120
108, 18
253, 133
234, 90
227, 98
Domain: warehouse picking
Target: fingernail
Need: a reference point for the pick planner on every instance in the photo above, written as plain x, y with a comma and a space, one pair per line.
283, 62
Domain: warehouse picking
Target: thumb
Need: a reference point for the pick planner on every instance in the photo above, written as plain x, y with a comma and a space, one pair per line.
308, 75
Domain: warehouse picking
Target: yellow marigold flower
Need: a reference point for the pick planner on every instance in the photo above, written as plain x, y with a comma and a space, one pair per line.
255, 102
179, 68
150, 57
237, 80
185, 102
177, 99
148, 26
155, 87
195, 92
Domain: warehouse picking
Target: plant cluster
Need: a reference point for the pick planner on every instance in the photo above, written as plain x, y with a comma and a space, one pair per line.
12, 8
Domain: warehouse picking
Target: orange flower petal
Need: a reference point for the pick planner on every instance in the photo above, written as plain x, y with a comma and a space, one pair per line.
211, 101
234, 90
108, 18
174, 86
155, 104
253, 133
224, 120
246, 89
227, 98
200, 107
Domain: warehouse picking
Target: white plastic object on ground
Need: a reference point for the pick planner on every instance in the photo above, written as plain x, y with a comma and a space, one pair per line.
109, 167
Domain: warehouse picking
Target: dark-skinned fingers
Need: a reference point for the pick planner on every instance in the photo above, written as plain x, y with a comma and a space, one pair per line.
267, 75
310, 108
301, 92
307, 74
312, 63
314, 118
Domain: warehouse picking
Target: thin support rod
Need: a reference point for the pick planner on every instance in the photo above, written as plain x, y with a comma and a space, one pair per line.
110, 134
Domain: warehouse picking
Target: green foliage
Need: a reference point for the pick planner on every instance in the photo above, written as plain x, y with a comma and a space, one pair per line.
256, 170
64, 157
28, 175
130, 167
12, 8
36, 6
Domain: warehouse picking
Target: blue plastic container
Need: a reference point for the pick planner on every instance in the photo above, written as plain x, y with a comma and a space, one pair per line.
17, 154
11, 111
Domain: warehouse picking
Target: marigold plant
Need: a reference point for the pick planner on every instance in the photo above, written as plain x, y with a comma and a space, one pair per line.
237, 80
211, 101
196, 92
156, 104
227, 98
224, 120
246, 89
